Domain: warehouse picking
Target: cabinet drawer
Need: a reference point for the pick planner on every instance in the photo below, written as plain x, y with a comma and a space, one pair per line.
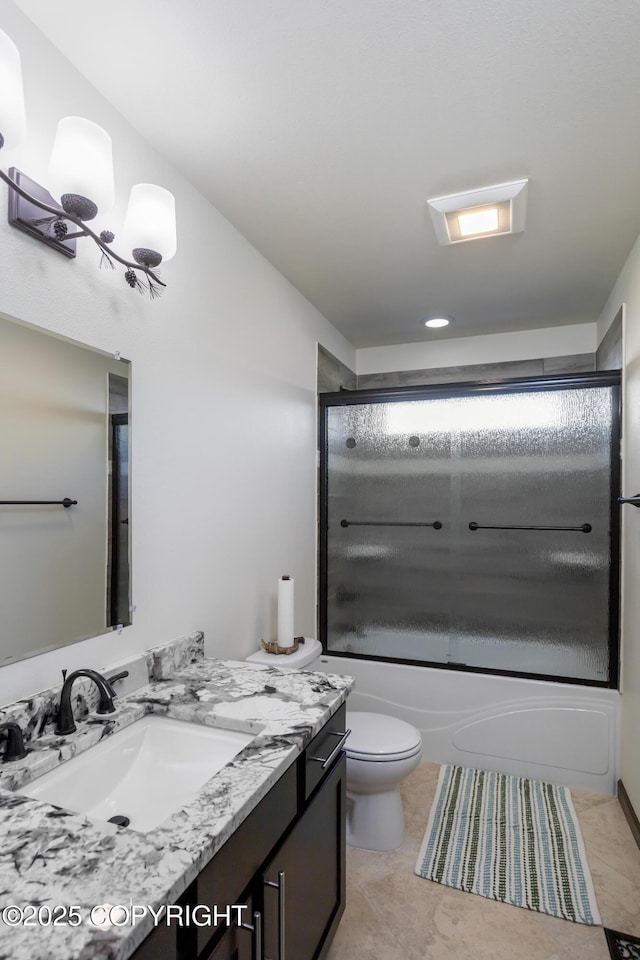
320, 748
228, 875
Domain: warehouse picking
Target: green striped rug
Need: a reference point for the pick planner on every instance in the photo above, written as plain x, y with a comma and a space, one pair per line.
509, 839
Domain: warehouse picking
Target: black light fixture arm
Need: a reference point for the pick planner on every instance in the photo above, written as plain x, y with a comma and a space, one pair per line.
101, 240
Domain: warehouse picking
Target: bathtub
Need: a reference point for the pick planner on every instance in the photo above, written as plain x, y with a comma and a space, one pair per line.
558, 732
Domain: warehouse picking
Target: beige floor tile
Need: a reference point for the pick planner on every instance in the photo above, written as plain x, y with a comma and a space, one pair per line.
365, 865
593, 949
596, 949
608, 836
618, 898
393, 914
583, 799
435, 921
418, 792
566, 933
361, 935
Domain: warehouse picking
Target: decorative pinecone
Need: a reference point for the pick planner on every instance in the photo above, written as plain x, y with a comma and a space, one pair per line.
107, 237
130, 277
60, 229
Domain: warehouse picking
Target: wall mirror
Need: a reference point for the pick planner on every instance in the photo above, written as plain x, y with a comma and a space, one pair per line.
64, 491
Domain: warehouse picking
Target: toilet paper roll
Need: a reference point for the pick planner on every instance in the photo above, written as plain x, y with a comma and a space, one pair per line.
285, 612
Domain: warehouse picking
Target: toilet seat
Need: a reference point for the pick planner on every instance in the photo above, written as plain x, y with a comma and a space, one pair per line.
384, 757
378, 738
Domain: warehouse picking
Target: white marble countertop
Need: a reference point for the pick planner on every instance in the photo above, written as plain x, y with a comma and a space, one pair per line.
53, 857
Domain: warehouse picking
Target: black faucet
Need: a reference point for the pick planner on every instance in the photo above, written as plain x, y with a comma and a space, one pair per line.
65, 724
15, 749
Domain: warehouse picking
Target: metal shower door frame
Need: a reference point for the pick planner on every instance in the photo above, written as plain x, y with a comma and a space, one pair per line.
605, 378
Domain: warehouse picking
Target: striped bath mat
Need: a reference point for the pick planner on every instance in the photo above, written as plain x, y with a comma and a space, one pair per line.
509, 839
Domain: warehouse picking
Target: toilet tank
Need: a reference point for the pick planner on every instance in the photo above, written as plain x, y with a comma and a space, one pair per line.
306, 653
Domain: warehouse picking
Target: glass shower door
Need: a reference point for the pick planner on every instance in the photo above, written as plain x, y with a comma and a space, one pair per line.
532, 599
431, 552
389, 578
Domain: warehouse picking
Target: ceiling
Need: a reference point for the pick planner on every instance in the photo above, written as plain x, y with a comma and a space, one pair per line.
320, 127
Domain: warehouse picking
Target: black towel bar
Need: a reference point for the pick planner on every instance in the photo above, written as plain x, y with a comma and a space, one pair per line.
63, 503
388, 523
584, 528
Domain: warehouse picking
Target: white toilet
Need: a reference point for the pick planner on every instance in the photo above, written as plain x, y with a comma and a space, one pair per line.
381, 752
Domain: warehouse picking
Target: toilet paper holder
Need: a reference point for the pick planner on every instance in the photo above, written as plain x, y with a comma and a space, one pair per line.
271, 646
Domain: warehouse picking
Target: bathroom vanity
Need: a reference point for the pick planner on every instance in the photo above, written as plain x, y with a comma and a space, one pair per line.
266, 832
285, 865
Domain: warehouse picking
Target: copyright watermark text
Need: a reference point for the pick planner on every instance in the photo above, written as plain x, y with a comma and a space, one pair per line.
105, 915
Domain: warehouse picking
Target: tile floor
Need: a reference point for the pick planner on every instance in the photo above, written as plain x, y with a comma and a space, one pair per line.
394, 915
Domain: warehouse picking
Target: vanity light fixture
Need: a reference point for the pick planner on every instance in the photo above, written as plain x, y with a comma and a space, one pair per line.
487, 212
81, 183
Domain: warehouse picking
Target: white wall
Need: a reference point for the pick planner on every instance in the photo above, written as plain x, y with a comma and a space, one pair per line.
491, 348
223, 395
627, 292
605, 320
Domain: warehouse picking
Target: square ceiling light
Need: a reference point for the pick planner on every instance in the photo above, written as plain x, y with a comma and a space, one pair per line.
487, 212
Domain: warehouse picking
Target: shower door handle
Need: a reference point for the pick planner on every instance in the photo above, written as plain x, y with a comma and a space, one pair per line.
634, 501
583, 528
436, 524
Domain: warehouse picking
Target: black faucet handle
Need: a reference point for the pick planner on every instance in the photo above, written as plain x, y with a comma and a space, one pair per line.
106, 691
15, 749
114, 679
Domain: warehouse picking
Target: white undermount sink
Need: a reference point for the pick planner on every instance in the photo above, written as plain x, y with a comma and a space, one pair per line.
144, 772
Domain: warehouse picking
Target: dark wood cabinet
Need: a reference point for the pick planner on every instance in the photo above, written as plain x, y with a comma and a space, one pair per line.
228, 877
238, 942
159, 945
304, 884
285, 864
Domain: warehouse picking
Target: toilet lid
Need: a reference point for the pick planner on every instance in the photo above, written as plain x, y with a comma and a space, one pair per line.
375, 736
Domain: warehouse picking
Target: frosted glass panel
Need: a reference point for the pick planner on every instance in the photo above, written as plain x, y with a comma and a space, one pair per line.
530, 601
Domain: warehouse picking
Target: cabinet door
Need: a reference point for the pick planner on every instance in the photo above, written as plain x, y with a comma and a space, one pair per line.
312, 863
236, 864
238, 943
159, 945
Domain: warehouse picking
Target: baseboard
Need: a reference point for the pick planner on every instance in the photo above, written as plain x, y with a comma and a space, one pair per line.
629, 812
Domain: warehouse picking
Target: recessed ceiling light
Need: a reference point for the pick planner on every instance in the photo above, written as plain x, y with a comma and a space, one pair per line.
487, 212
483, 220
437, 322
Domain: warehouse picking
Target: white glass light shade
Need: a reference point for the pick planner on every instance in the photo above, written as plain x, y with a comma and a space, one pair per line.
81, 162
150, 222
12, 115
